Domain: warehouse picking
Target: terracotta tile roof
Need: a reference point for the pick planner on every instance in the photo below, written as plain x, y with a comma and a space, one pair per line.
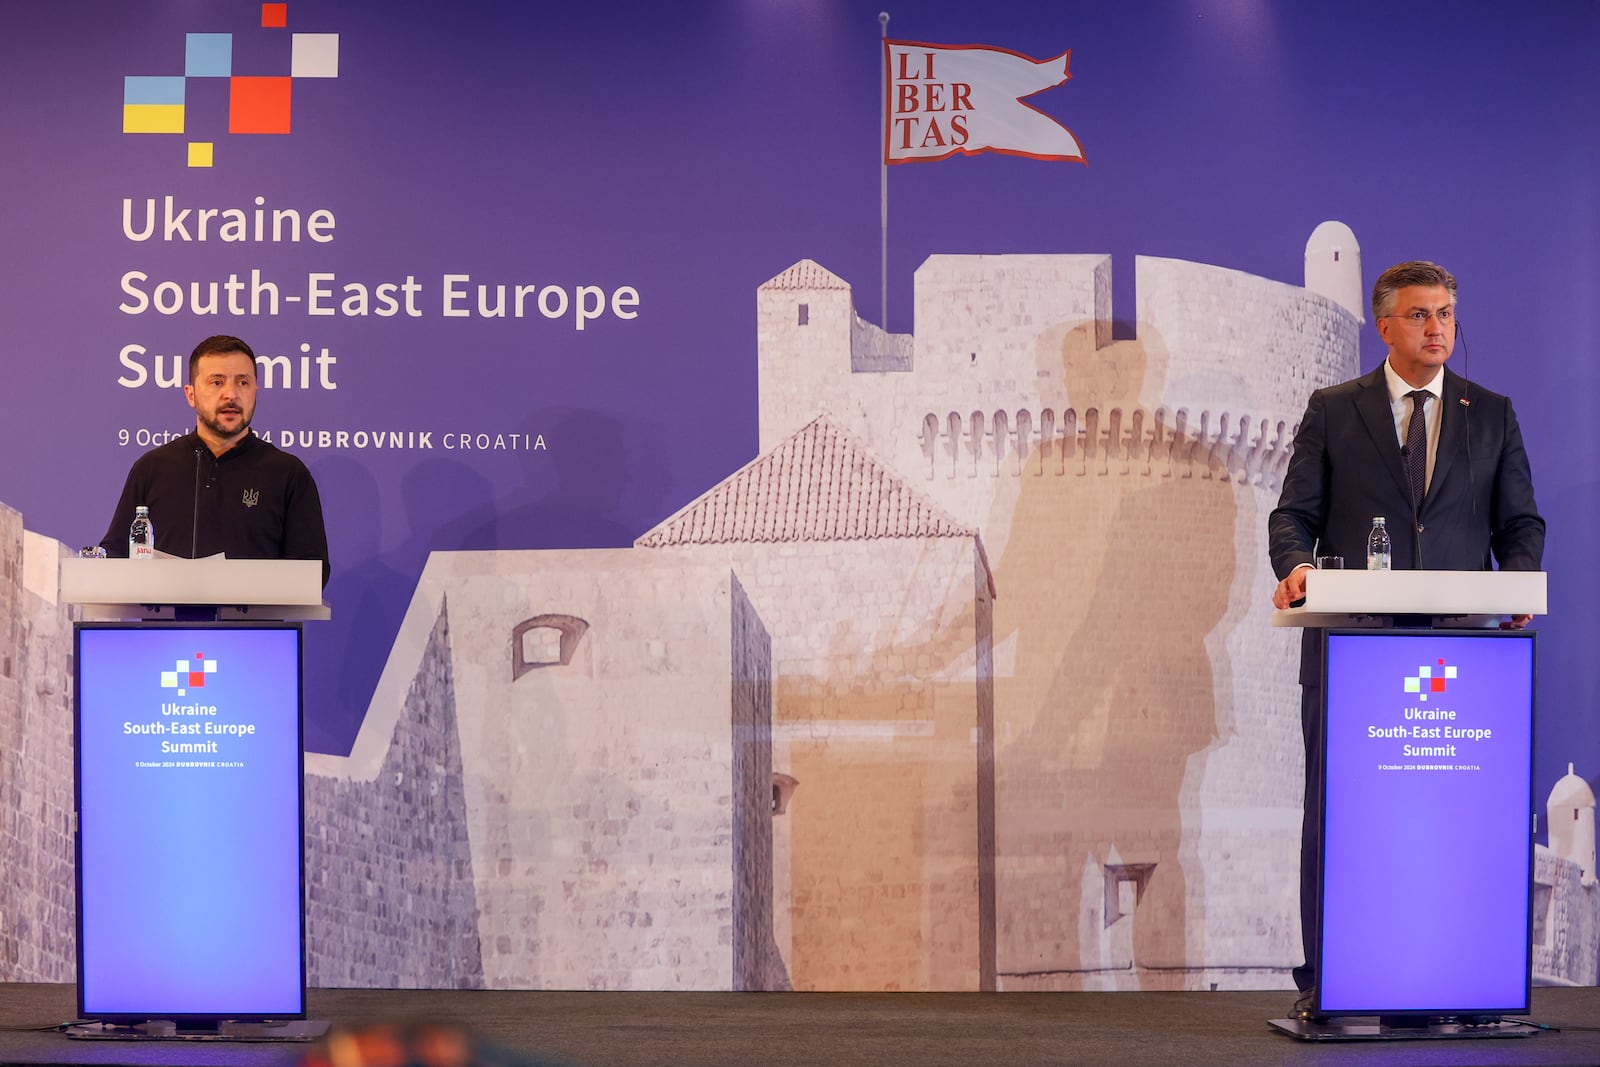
821, 484
807, 274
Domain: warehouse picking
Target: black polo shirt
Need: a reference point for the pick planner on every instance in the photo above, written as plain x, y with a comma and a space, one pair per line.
255, 501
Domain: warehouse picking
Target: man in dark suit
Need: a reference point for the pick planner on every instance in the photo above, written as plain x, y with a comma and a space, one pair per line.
1439, 457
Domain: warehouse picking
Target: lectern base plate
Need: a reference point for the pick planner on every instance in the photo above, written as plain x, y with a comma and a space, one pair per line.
162, 1030
1369, 1028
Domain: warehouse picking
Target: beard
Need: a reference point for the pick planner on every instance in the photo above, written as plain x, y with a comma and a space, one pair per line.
213, 423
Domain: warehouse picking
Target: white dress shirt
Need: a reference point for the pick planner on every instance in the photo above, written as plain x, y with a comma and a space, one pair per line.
1432, 413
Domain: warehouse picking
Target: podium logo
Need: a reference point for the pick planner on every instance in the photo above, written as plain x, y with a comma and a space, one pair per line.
189, 674
257, 103
1430, 679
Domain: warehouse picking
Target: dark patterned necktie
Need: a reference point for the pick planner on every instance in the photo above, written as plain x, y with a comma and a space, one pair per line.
1417, 447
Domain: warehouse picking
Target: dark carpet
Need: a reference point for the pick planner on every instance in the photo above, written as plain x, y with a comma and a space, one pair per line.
784, 1029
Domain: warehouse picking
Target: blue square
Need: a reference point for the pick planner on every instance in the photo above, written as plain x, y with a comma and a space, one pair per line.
208, 55
138, 89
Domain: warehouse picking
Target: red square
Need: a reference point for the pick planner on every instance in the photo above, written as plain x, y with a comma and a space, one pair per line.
258, 105
197, 679
1438, 685
275, 15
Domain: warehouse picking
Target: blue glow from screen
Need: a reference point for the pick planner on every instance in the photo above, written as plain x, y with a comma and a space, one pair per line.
189, 822
1427, 824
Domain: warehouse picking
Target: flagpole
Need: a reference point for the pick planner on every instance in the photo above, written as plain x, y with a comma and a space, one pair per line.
883, 180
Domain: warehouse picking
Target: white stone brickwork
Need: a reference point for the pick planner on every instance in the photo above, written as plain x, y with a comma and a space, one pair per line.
1146, 717
1566, 921
614, 724
390, 897
965, 682
875, 718
877, 603
1566, 891
37, 915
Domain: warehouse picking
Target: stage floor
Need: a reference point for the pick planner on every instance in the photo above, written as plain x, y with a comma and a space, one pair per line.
784, 1029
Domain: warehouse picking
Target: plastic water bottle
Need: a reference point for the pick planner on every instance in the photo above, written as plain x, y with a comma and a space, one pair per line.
142, 535
1378, 545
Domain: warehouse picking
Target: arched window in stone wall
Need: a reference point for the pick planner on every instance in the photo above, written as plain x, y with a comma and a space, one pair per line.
1023, 438
1115, 456
545, 641
930, 441
1125, 884
1279, 459
783, 787
1229, 445
1257, 453
1181, 443
1161, 446
999, 432
1138, 449
1129, 441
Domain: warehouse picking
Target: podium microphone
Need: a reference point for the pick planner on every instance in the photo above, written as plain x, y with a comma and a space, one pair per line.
1466, 423
194, 514
1416, 520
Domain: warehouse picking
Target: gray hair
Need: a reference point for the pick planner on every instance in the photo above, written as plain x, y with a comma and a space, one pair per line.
1412, 272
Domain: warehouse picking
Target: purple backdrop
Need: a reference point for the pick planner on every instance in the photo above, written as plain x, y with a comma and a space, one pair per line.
691, 151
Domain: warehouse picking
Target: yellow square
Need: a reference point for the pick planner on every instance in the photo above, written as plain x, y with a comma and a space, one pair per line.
200, 153
152, 118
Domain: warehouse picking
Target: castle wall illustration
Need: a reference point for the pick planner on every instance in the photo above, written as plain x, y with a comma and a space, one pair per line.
964, 682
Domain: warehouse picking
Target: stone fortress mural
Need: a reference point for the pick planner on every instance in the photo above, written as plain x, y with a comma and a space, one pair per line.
965, 682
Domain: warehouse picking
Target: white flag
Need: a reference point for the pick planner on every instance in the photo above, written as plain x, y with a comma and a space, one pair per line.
945, 99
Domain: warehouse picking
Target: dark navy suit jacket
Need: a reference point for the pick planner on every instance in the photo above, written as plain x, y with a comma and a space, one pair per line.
1346, 468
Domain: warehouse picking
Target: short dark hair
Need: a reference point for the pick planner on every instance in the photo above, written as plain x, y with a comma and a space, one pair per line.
1411, 272
219, 345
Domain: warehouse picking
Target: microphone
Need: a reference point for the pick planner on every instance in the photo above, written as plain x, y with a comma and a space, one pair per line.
194, 514
1466, 425
1416, 520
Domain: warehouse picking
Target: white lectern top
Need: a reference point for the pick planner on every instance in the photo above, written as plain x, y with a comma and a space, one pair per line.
264, 589
1465, 598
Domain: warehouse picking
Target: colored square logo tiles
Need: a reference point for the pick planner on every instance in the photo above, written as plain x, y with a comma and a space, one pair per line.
189, 675
259, 105
314, 55
256, 103
150, 91
208, 55
1430, 679
152, 118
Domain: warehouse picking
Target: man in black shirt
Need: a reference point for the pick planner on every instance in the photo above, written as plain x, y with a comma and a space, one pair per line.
222, 488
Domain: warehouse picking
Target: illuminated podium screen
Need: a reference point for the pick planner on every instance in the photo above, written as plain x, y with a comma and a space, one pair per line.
189, 843
1427, 823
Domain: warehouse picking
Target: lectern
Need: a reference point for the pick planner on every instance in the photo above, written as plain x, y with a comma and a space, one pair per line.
1427, 802
189, 796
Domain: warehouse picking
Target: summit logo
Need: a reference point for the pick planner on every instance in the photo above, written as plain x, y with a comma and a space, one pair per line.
189, 674
1430, 678
257, 103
